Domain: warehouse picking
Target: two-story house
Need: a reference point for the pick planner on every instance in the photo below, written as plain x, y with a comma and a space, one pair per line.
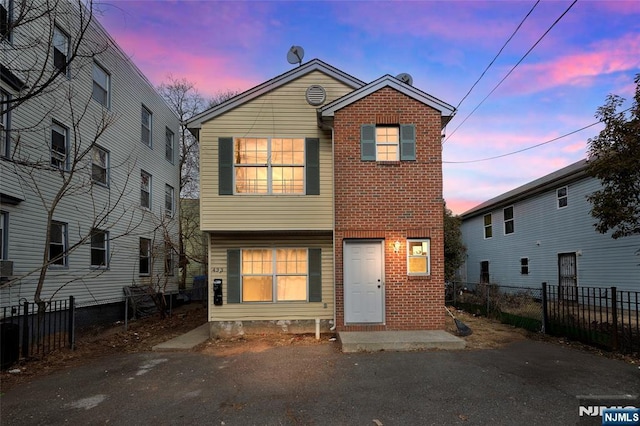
543, 231
89, 168
322, 199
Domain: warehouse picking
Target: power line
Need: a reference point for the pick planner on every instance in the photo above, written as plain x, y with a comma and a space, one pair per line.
512, 69
498, 54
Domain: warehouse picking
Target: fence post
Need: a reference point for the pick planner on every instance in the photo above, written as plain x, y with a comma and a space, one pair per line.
614, 317
25, 330
72, 323
545, 314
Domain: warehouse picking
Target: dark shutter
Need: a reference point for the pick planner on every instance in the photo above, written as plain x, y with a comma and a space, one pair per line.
225, 166
407, 142
368, 142
233, 276
312, 149
315, 275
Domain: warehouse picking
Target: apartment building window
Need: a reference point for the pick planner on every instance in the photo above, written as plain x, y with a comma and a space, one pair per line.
562, 196
145, 189
524, 266
169, 196
387, 143
99, 249
269, 165
4, 221
6, 18
488, 227
146, 126
509, 226
100, 165
101, 82
59, 146
58, 244
145, 256
168, 145
60, 50
169, 264
5, 122
418, 257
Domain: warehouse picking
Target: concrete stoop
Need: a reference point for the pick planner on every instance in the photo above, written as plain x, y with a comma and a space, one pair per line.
371, 341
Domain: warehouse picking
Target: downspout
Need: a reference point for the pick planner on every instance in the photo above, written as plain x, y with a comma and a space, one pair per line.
333, 233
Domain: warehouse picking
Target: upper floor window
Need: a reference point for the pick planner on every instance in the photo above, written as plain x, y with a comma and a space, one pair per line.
168, 145
59, 146
418, 257
508, 220
562, 197
387, 143
145, 256
5, 122
269, 165
99, 248
488, 227
101, 80
146, 126
58, 244
60, 50
6, 19
169, 196
145, 189
100, 165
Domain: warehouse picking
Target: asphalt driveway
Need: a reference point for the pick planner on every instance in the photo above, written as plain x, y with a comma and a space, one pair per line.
527, 382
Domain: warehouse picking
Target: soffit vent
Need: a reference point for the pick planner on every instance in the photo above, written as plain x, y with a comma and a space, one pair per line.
316, 95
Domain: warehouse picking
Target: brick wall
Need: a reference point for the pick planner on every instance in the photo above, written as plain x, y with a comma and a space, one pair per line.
392, 201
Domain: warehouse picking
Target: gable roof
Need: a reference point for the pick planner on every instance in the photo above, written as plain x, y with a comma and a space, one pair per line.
560, 177
327, 112
195, 123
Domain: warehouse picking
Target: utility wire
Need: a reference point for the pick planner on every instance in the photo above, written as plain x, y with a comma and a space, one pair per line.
512, 69
496, 57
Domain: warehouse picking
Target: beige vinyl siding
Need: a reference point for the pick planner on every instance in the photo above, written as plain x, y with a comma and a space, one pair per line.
283, 112
271, 311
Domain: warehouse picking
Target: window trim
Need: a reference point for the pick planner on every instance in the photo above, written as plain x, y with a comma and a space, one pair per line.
380, 143
412, 255
64, 243
147, 257
66, 70
106, 168
104, 249
564, 197
146, 126
5, 124
169, 145
8, 33
169, 212
487, 226
147, 191
65, 130
107, 90
510, 220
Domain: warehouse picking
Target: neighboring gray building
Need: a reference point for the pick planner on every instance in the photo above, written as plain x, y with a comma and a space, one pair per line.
543, 232
101, 129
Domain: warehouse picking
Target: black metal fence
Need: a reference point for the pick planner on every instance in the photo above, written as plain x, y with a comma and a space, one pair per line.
605, 317
28, 330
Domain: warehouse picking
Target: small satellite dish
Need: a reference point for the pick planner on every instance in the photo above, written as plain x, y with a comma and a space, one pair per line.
295, 55
405, 78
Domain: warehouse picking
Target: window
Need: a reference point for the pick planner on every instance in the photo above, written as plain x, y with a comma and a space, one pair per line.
146, 126
4, 219
60, 50
488, 229
387, 143
418, 257
562, 196
100, 165
508, 220
6, 18
5, 98
101, 81
59, 146
524, 266
169, 264
168, 200
145, 256
99, 249
145, 189
269, 166
168, 145
274, 273
58, 244
484, 272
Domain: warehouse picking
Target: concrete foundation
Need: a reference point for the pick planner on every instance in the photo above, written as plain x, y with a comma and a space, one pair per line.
221, 329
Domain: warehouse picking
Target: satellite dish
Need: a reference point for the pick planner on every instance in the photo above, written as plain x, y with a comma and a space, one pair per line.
405, 78
295, 55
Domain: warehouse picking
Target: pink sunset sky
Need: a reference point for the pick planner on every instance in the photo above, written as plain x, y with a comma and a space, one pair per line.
591, 52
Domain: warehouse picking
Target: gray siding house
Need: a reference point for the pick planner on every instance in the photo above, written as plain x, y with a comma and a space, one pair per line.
543, 232
101, 133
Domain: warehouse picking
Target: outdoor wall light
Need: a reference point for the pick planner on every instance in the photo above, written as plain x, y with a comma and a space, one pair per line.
396, 246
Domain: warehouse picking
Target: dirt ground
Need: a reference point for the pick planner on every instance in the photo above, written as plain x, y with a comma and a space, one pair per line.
141, 335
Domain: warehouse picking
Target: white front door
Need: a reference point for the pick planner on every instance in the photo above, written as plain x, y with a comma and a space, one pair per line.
363, 282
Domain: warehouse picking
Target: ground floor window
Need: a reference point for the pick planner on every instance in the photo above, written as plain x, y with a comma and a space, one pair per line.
418, 257
279, 275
